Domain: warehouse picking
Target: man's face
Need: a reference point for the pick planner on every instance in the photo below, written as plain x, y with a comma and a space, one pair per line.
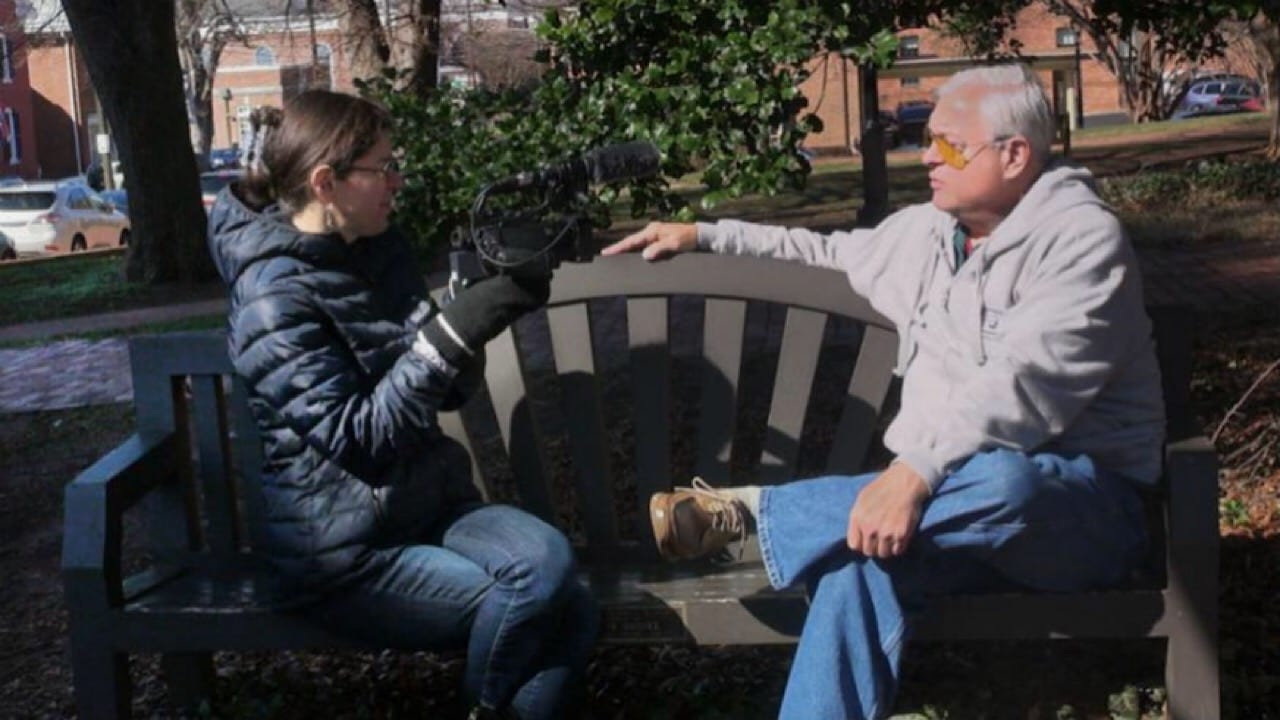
966, 164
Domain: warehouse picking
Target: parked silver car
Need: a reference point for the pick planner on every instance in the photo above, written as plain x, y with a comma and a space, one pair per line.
60, 216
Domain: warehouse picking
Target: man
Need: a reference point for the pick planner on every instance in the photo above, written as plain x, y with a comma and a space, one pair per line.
1031, 406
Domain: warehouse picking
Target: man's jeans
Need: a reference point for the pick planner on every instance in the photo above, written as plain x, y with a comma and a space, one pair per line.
1043, 521
496, 581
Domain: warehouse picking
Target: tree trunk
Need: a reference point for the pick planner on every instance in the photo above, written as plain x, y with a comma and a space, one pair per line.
131, 51
201, 90
365, 37
426, 55
1273, 108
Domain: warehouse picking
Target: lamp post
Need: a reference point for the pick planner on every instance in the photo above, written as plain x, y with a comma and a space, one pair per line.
226, 110
1079, 98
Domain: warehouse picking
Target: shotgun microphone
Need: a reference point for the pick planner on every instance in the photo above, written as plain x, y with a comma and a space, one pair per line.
611, 163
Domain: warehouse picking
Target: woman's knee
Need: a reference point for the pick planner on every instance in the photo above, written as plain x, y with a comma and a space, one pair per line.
545, 566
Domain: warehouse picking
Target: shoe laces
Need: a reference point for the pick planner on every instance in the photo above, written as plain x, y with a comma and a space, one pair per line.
728, 515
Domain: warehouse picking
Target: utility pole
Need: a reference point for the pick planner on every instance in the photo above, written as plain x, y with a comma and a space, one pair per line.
226, 110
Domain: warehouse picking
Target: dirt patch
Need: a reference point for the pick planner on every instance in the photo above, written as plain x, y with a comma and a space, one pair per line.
39, 453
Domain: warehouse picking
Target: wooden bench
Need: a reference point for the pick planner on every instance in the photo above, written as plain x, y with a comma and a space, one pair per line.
737, 369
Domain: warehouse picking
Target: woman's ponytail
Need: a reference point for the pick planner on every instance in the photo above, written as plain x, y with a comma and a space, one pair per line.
258, 189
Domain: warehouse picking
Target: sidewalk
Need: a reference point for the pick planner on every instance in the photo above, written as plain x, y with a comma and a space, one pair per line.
1215, 281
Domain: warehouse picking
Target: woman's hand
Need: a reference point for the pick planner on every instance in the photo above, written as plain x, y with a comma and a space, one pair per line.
657, 240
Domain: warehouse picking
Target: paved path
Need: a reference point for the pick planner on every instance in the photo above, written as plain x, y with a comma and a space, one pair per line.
1215, 280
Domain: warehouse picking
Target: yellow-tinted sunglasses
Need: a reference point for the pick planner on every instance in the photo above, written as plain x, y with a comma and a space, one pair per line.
951, 155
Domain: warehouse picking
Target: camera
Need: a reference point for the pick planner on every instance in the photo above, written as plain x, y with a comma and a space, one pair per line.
540, 220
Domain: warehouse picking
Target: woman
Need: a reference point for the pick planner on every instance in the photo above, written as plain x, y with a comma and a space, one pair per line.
372, 517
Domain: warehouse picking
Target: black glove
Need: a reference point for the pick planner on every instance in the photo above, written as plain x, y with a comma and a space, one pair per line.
476, 316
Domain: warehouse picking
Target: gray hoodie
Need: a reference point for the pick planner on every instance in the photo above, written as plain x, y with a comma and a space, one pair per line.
1039, 342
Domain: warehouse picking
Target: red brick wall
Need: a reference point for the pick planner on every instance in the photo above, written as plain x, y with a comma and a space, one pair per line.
254, 85
1036, 29
15, 95
831, 93
57, 123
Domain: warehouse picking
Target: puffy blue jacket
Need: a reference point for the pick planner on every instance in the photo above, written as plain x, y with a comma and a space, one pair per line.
318, 328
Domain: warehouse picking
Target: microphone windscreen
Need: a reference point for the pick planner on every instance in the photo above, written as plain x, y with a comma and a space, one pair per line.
623, 161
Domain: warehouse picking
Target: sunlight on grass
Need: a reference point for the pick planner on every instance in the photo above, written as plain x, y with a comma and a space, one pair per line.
56, 287
82, 284
192, 324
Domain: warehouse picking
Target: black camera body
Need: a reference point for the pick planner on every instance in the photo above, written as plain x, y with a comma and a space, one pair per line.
530, 244
531, 239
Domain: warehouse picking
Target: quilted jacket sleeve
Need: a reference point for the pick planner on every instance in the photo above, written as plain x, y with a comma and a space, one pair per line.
297, 362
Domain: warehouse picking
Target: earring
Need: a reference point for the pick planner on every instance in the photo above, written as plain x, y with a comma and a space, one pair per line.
330, 223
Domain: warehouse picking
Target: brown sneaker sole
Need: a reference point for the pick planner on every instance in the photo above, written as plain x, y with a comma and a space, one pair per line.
661, 519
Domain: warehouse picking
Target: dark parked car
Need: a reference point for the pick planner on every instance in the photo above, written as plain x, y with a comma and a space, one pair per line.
213, 181
224, 158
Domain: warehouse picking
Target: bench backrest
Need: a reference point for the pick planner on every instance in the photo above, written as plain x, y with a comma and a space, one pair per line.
635, 378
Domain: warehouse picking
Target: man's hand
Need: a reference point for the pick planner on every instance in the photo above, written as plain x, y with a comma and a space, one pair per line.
658, 240
887, 512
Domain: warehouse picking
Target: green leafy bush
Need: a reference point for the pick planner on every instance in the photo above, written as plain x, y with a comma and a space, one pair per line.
714, 85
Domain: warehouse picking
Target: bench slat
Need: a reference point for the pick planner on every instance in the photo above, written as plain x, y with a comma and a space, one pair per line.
650, 366
571, 343
793, 381
209, 416
248, 462
722, 341
868, 387
518, 425
451, 424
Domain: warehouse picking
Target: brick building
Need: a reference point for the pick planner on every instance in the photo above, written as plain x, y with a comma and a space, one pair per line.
18, 156
50, 116
276, 64
1079, 84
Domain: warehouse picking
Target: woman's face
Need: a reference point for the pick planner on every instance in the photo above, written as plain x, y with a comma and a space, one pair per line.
364, 199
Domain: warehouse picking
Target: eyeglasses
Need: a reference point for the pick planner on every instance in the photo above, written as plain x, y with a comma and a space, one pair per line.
955, 156
386, 170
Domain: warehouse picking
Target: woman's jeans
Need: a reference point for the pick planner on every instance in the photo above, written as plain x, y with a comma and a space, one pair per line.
494, 580
1041, 521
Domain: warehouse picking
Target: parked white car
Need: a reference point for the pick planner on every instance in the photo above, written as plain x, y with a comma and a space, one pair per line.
42, 217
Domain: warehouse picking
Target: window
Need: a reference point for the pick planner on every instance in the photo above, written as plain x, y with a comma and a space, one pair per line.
11, 133
909, 46
324, 53
6, 60
264, 56
1067, 37
909, 81
77, 200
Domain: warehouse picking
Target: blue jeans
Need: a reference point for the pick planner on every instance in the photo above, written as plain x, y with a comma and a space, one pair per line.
1041, 521
490, 579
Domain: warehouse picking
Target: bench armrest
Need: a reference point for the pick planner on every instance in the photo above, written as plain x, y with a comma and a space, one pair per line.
1191, 467
94, 506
